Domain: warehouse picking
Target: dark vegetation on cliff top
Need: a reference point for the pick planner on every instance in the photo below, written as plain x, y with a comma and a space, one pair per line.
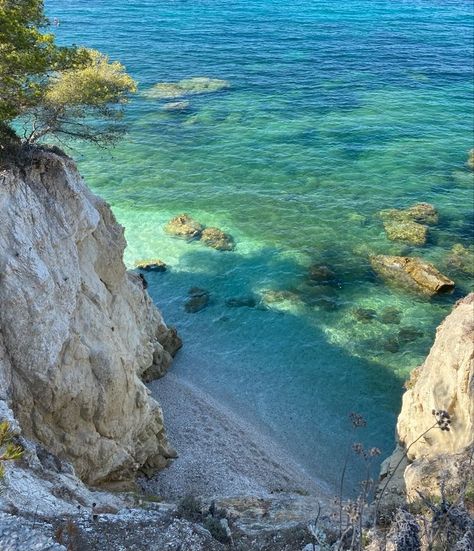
49, 90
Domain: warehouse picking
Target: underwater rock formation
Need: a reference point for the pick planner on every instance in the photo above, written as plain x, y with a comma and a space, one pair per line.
187, 87
412, 273
76, 329
197, 301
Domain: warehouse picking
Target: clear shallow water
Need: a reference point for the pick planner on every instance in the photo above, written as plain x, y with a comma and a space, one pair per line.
337, 109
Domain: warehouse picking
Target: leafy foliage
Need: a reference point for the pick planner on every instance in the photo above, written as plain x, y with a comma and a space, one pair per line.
52, 89
9, 451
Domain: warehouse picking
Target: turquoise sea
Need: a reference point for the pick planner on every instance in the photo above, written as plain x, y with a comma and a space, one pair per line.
336, 109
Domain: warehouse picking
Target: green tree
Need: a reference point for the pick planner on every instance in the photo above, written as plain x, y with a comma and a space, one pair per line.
64, 91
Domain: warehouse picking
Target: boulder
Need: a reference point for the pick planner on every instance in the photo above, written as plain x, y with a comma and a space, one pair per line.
153, 265
364, 315
217, 239
406, 231
184, 226
411, 272
198, 300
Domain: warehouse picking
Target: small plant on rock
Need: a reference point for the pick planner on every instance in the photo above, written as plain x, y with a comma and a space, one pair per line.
9, 451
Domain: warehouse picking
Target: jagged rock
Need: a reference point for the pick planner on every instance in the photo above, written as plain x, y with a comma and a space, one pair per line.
187, 87
411, 272
444, 382
184, 226
76, 329
217, 239
153, 265
462, 259
407, 231
198, 300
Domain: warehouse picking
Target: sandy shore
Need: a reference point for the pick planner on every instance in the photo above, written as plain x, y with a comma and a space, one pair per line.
219, 453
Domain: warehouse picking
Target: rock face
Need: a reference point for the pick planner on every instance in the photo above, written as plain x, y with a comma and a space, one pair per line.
411, 272
444, 382
76, 329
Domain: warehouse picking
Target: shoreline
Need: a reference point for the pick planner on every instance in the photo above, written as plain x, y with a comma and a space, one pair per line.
219, 453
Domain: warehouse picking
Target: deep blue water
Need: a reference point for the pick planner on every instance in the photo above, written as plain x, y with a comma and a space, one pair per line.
336, 110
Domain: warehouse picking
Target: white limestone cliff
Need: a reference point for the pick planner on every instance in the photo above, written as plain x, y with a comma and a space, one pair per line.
77, 331
444, 382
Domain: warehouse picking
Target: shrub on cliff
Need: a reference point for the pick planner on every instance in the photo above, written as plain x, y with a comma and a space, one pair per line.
9, 451
46, 89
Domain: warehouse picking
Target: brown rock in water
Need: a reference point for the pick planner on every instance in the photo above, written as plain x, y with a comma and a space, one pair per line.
184, 226
411, 272
217, 239
445, 382
154, 265
407, 231
198, 300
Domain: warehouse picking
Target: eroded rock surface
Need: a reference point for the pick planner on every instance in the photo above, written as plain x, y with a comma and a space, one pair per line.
444, 382
76, 329
185, 226
217, 239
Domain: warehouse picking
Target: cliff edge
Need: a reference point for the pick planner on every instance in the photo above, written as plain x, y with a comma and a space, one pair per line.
77, 331
440, 394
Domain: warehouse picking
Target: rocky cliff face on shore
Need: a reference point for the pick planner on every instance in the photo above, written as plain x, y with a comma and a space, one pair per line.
77, 331
440, 394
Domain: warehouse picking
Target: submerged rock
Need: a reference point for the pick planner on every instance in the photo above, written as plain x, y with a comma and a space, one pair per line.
321, 273
409, 334
390, 315
184, 226
187, 87
407, 231
197, 301
411, 272
176, 106
364, 315
462, 259
272, 296
153, 265
217, 239
423, 213
239, 302
470, 159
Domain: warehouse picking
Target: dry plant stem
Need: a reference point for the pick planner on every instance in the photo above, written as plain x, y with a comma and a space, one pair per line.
390, 476
341, 485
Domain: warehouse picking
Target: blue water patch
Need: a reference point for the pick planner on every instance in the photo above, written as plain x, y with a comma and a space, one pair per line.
334, 111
